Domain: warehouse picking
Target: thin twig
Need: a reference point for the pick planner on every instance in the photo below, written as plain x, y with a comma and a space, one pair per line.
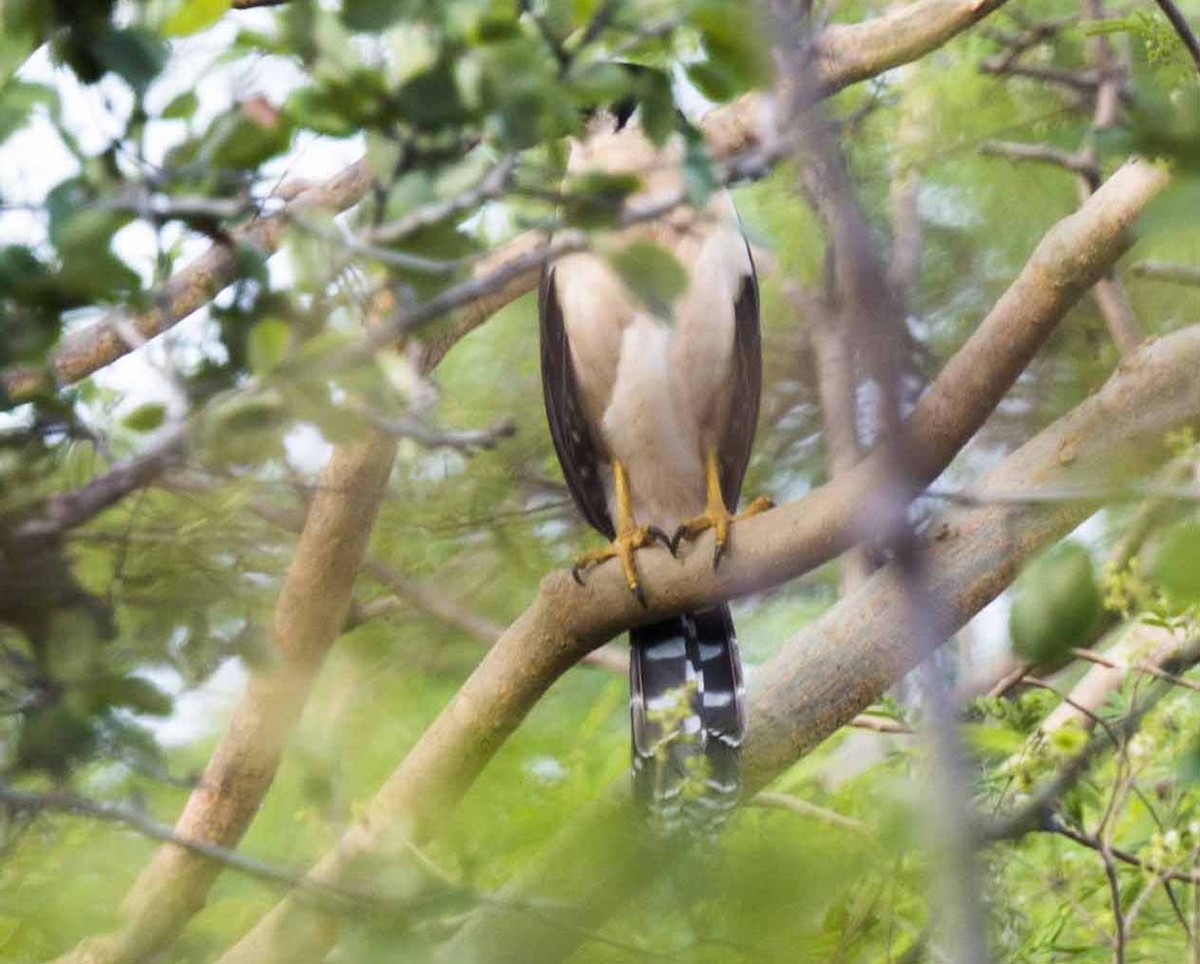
342, 897
785, 801
1043, 153
1180, 274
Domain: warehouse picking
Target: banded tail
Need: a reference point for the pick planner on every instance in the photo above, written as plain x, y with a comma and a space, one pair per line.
687, 709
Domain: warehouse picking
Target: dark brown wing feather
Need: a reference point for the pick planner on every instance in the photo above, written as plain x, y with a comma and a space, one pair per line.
578, 453
734, 452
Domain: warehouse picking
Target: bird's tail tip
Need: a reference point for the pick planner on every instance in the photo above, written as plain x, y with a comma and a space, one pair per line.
688, 717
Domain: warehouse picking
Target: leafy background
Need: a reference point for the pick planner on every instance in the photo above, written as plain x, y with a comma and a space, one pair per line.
138, 132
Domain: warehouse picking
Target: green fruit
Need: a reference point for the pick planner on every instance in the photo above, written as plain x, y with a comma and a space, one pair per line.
1056, 603
1174, 563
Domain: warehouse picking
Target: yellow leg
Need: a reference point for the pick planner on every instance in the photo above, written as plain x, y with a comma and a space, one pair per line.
630, 537
716, 515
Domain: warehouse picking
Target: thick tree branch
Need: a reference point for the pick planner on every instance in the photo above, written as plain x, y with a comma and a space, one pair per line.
847, 53
842, 662
565, 621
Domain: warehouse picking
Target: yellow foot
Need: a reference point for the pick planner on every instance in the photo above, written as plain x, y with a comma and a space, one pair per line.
623, 547
719, 519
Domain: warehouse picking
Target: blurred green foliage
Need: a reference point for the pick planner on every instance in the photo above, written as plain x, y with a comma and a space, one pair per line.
161, 602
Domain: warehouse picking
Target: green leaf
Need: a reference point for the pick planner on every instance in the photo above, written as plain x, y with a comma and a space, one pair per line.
17, 101
192, 16
699, 179
145, 418
1189, 763
714, 81
431, 98
133, 53
594, 199
315, 109
658, 107
992, 739
267, 344
652, 273
374, 15
1056, 602
246, 430
182, 107
733, 38
248, 135
132, 692
1174, 562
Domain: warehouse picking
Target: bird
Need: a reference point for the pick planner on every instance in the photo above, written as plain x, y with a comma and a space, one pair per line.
653, 414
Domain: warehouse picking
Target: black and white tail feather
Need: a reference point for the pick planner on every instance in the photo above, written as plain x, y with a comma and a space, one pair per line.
688, 713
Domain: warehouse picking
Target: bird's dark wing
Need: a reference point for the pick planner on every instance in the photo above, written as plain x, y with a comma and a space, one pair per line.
738, 439
578, 453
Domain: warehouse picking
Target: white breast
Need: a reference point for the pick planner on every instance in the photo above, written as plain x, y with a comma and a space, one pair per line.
657, 392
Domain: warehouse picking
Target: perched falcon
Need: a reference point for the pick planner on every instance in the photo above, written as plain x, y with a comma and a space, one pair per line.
653, 419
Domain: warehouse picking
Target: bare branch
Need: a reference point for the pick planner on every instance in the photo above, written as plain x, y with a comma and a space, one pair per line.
847, 53
465, 440
336, 898
1080, 81
66, 510
792, 804
1042, 153
1180, 274
1092, 842
879, 724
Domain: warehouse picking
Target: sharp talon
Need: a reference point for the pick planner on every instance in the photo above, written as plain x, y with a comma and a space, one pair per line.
637, 591
658, 535
575, 571
718, 553
676, 540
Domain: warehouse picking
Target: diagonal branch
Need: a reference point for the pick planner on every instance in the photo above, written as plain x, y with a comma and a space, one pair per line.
65, 510
564, 622
843, 661
88, 349
309, 614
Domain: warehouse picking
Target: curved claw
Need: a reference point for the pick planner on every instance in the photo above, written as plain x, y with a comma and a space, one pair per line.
659, 536
718, 553
640, 594
577, 573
